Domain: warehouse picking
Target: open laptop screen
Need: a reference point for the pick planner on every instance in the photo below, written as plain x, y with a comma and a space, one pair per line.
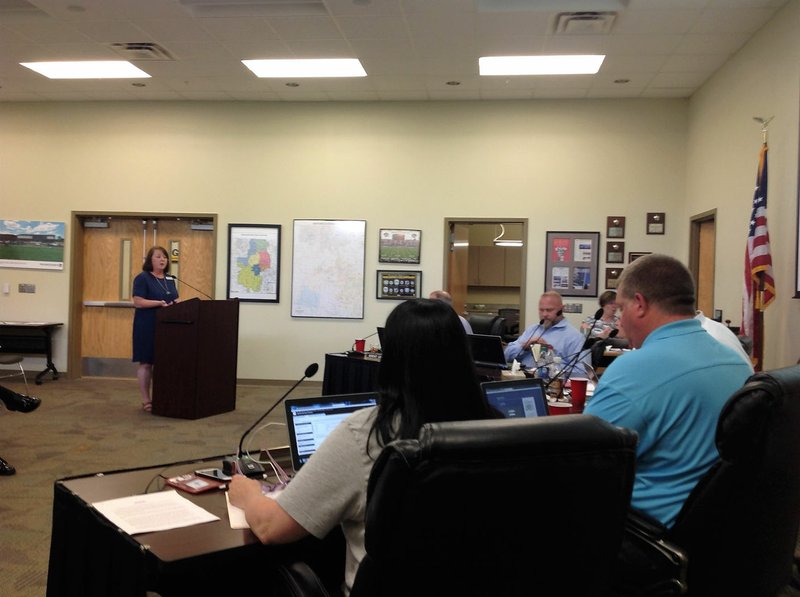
310, 420
517, 397
487, 351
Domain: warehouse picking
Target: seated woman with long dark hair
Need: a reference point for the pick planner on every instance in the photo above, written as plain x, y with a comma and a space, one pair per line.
426, 375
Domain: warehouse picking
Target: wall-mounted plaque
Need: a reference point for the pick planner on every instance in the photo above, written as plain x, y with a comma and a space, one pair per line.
615, 227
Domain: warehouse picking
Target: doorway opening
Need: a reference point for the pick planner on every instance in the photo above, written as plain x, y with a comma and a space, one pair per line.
484, 266
107, 252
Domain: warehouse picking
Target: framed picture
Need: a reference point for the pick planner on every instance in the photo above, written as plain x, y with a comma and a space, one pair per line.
634, 256
328, 268
572, 263
615, 227
254, 262
612, 277
399, 246
656, 223
615, 252
398, 285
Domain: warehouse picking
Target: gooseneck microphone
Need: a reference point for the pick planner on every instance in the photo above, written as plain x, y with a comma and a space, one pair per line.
246, 465
190, 286
589, 339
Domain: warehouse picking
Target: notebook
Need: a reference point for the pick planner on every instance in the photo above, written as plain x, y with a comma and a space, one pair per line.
311, 419
517, 397
487, 351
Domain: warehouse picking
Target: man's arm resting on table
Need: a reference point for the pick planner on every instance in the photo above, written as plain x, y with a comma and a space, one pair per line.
269, 522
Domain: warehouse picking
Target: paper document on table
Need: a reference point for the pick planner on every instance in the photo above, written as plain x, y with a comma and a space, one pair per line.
152, 512
236, 515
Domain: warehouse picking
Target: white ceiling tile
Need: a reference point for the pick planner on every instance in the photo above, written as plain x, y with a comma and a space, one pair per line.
410, 49
741, 20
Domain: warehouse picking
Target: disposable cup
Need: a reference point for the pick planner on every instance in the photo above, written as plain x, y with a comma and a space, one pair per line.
578, 393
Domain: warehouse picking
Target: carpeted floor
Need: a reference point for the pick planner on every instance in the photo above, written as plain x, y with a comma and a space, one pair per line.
92, 425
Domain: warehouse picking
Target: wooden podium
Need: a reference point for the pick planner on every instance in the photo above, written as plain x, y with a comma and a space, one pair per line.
194, 374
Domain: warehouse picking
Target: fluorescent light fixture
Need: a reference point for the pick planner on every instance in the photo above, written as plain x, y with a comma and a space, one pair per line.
306, 68
461, 243
508, 243
587, 64
100, 69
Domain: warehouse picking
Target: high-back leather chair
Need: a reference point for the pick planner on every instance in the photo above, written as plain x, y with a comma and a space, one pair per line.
739, 525
500, 507
491, 325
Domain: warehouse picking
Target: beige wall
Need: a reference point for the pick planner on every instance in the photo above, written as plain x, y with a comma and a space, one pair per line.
565, 165
723, 145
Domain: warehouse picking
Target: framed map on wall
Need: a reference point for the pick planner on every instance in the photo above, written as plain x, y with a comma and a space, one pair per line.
328, 268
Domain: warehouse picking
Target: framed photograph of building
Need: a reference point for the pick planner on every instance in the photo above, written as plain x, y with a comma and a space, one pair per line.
399, 246
572, 262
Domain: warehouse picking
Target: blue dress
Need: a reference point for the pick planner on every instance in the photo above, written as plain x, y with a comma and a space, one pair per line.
147, 286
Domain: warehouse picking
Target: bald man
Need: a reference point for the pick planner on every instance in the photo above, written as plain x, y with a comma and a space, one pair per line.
444, 296
553, 331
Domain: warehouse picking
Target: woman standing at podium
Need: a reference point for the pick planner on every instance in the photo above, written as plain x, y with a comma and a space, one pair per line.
152, 289
426, 375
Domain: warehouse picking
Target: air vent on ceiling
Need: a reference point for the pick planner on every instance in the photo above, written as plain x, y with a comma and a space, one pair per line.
18, 8
141, 50
254, 8
584, 23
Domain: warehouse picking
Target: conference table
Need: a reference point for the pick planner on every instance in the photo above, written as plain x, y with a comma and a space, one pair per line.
30, 337
354, 373
90, 556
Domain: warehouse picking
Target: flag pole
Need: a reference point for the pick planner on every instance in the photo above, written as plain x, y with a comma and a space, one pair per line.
759, 299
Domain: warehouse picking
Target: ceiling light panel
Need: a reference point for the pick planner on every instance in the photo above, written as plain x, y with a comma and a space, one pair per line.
306, 68
586, 64
103, 69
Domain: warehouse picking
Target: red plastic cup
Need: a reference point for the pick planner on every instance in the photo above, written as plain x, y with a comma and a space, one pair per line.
578, 385
359, 344
559, 408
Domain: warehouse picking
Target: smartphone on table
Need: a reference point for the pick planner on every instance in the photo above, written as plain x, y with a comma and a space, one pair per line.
213, 473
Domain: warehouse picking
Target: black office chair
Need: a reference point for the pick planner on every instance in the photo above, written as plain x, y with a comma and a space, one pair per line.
492, 325
511, 328
499, 507
739, 525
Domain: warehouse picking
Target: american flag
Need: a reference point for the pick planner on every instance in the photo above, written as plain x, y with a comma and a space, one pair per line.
759, 285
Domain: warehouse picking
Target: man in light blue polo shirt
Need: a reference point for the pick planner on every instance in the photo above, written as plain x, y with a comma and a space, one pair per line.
672, 389
553, 331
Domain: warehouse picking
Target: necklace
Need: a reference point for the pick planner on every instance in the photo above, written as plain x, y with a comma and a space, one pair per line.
163, 284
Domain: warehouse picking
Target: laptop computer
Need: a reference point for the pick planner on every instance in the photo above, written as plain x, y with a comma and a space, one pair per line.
310, 420
380, 336
517, 397
487, 351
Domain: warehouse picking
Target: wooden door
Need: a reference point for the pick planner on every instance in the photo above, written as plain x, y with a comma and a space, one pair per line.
458, 266
112, 256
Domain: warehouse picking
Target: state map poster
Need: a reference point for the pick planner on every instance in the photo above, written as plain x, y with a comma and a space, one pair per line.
254, 262
328, 268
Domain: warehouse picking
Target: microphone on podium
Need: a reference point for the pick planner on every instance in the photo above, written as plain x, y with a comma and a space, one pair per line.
189, 285
242, 463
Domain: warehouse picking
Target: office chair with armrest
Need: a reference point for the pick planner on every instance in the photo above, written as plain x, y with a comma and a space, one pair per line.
739, 525
491, 325
511, 328
498, 507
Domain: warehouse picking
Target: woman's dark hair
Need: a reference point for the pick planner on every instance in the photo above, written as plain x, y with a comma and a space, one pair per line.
147, 266
426, 373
